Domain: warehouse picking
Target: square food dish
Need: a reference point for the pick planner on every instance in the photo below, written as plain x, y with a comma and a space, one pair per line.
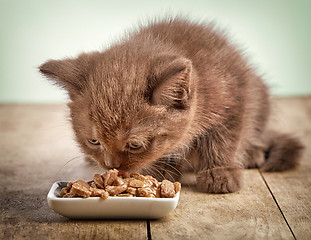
111, 208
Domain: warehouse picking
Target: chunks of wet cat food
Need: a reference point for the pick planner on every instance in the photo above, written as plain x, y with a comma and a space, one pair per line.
112, 183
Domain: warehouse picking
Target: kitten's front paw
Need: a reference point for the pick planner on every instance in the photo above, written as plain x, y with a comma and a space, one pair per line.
219, 180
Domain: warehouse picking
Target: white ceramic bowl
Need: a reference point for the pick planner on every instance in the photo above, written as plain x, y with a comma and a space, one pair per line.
111, 208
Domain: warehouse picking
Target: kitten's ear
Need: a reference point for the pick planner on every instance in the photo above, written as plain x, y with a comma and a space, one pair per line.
68, 73
174, 84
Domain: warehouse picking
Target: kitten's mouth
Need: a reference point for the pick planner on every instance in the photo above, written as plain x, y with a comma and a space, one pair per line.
122, 173
122, 168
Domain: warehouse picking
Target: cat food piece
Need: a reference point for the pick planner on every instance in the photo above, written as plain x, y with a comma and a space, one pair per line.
105, 195
70, 195
64, 191
95, 192
154, 181
125, 195
138, 176
92, 184
136, 183
119, 181
109, 177
112, 183
98, 180
177, 187
70, 184
115, 190
148, 192
167, 189
82, 183
80, 188
76, 189
125, 174
132, 190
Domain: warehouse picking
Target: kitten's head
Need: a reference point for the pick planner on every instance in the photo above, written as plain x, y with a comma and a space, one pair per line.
127, 111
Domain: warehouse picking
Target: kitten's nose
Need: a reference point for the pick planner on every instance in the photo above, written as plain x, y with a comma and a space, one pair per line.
112, 164
115, 165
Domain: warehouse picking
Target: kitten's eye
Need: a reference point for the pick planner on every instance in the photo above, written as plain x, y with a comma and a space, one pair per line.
134, 146
94, 141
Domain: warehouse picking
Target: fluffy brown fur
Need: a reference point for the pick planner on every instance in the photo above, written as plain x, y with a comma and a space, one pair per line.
169, 88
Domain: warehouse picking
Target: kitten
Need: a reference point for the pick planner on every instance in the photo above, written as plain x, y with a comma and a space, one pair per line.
170, 88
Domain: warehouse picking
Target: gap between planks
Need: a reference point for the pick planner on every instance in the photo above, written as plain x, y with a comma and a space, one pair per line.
276, 202
148, 230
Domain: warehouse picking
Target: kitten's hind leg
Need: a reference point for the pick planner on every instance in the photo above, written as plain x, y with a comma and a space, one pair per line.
254, 156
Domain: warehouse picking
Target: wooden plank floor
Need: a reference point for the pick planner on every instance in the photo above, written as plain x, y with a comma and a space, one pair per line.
37, 148
292, 189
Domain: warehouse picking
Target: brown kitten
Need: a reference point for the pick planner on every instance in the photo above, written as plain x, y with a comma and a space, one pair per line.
169, 88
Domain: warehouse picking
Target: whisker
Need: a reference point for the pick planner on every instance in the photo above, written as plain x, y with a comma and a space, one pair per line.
68, 162
147, 171
181, 157
151, 171
168, 171
158, 171
171, 166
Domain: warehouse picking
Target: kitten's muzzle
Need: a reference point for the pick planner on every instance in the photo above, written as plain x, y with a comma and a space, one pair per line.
110, 163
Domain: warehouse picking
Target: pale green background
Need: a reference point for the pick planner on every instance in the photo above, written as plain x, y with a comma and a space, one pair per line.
276, 34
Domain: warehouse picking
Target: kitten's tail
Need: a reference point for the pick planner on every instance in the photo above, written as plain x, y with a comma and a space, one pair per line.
283, 151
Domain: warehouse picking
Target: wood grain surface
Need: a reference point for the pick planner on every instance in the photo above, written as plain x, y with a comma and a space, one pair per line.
292, 189
37, 148
248, 214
